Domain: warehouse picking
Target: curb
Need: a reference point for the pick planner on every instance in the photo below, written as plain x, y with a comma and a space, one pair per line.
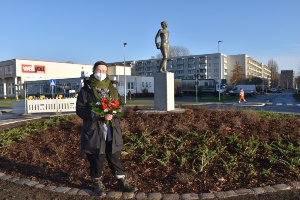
153, 196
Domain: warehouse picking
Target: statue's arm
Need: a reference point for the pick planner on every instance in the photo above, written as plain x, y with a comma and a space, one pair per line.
157, 35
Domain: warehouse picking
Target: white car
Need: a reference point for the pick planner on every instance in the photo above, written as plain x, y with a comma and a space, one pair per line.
273, 90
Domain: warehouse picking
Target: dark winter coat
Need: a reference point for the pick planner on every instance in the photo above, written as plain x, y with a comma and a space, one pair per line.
92, 138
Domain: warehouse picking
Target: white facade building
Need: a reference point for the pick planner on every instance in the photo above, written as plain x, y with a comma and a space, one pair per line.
14, 72
68, 76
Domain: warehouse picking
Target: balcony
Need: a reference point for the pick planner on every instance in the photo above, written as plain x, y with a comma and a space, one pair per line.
203, 61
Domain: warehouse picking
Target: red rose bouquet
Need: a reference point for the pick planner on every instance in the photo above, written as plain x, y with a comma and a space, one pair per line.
106, 104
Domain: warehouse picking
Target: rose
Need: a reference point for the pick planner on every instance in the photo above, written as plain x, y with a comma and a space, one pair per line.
104, 102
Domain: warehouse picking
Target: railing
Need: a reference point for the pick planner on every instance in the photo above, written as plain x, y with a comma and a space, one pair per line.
44, 106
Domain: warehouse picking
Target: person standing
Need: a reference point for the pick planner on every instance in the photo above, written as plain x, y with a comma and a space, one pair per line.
163, 45
242, 95
101, 141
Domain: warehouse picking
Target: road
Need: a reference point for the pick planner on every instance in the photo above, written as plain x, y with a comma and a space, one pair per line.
275, 102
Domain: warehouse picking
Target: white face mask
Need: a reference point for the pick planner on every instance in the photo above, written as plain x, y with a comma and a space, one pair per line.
100, 76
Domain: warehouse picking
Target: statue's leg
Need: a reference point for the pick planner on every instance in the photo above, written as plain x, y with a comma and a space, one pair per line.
164, 64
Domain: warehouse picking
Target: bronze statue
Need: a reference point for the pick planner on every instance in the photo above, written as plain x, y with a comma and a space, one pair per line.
163, 45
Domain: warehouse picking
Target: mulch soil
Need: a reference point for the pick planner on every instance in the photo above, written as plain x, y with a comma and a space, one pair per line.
52, 156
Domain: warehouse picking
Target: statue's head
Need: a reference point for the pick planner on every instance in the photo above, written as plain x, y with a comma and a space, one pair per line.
164, 23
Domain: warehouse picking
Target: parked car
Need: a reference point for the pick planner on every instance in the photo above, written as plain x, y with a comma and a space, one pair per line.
279, 90
249, 90
273, 90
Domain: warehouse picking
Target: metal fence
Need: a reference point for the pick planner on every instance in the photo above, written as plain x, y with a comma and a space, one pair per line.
44, 106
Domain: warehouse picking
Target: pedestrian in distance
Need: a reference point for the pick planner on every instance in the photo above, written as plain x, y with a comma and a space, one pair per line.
101, 137
242, 95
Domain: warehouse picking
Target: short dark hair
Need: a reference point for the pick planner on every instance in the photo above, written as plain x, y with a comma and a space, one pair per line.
99, 63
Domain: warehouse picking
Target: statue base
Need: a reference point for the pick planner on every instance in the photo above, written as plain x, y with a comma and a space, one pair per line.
164, 91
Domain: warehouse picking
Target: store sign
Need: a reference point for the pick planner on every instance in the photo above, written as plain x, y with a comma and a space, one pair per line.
33, 68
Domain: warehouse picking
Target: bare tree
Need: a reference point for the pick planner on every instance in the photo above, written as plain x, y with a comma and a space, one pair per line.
274, 73
176, 51
238, 77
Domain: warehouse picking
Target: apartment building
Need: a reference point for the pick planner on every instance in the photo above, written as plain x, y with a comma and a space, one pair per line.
206, 66
287, 79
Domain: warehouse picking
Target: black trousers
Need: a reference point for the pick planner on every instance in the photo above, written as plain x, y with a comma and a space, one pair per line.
97, 160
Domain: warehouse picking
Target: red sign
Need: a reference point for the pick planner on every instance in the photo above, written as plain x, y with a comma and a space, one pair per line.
33, 68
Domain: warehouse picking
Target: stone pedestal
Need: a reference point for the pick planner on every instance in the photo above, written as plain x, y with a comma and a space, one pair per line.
164, 91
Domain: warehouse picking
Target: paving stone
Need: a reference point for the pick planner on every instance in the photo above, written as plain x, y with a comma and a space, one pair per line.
258, 190
282, 187
62, 189
230, 193
114, 195
294, 184
39, 186
189, 196
219, 195
49, 187
171, 196
22, 181
1, 174
269, 189
5, 177
244, 191
86, 192
128, 195
73, 191
14, 179
141, 196
32, 183
154, 196
207, 196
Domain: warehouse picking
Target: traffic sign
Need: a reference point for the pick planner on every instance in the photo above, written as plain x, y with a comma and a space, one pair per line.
52, 82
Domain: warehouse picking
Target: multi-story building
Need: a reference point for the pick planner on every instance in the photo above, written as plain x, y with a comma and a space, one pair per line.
251, 67
287, 79
207, 66
14, 72
68, 76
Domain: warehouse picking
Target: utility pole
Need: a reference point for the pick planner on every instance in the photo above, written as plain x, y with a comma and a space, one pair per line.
124, 73
220, 76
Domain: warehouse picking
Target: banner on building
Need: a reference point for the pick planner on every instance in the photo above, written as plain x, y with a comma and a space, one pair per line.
33, 68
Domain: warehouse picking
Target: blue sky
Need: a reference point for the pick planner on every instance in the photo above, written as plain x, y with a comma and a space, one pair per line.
84, 31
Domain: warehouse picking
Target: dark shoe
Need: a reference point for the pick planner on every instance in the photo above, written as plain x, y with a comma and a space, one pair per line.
99, 187
125, 186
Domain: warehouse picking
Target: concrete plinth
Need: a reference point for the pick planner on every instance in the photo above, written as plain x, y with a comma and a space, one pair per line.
164, 91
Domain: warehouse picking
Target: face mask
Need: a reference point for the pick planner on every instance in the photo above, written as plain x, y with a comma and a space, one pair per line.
100, 76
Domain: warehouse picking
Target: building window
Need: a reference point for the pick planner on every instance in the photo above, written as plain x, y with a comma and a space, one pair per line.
130, 85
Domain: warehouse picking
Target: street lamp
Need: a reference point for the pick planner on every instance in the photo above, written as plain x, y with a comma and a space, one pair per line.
196, 83
220, 71
124, 73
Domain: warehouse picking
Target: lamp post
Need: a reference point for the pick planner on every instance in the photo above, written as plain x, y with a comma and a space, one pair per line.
196, 84
124, 73
220, 72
